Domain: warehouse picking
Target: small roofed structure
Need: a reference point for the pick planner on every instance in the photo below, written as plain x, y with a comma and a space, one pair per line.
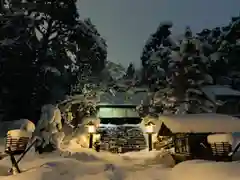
225, 98
200, 123
190, 135
215, 92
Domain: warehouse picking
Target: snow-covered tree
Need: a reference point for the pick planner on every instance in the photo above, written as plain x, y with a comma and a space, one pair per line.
156, 41
221, 46
130, 71
209, 57
91, 47
42, 45
187, 73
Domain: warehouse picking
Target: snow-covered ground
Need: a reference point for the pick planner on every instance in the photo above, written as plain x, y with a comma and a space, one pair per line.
74, 163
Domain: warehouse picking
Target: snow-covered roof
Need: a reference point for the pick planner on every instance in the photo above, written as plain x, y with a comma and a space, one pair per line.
220, 138
121, 98
212, 91
108, 99
201, 123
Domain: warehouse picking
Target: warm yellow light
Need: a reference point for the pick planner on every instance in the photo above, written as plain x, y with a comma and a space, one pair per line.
91, 129
149, 128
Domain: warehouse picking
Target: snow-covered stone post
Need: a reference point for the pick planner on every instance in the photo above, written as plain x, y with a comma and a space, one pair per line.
91, 131
81, 135
150, 131
156, 127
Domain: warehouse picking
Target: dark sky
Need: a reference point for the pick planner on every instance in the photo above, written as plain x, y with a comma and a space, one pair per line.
126, 24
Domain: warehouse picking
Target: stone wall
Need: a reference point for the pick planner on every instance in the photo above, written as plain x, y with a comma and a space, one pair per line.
122, 139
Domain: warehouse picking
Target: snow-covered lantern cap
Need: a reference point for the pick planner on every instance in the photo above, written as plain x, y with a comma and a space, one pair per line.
91, 127
149, 127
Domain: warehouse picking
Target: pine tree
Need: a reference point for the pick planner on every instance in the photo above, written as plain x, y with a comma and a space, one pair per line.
185, 76
221, 46
130, 71
154, 43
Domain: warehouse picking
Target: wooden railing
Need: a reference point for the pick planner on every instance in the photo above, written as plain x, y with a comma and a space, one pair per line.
221, 149
16, 145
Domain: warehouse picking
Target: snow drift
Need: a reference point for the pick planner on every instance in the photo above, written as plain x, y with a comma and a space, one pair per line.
89, 165
86, 165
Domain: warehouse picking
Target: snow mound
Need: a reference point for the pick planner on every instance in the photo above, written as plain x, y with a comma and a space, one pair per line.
85, 164
62, 169
201, 170
79, 163
150, 158
58, 168
76, 163
73, 150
